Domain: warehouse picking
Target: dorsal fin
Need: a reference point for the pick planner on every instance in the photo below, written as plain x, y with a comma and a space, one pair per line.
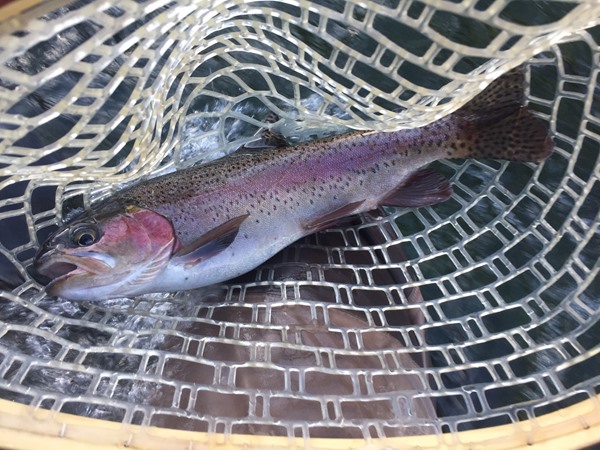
267, 137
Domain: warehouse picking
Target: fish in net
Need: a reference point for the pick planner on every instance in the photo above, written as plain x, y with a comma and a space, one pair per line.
97, 96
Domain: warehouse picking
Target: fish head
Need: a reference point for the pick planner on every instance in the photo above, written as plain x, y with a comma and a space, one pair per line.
112, 252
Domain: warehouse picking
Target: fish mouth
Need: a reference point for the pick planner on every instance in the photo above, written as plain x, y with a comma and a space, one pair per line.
55, 270
53, 267
47, 270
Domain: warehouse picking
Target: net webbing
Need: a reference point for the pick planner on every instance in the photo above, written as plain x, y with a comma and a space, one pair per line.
476, 312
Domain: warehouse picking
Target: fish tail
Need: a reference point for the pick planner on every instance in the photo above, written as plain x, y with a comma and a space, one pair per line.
506, 90
495, 125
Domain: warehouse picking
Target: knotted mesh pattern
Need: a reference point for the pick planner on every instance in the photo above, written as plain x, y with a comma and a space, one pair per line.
476, 312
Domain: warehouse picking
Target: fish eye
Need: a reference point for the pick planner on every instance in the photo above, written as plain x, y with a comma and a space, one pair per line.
84, 236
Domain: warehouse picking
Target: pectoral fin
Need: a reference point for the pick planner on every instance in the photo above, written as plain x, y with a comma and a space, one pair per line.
211, 243
330, 219
423, 188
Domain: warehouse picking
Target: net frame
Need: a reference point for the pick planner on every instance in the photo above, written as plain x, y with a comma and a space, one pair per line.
24, 428
574, 142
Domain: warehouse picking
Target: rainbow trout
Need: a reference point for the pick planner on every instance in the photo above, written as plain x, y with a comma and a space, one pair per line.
213, 222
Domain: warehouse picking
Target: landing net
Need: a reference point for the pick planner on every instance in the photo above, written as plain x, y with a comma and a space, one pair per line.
478, 312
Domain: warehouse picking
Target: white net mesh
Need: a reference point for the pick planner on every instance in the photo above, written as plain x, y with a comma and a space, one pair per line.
476, 312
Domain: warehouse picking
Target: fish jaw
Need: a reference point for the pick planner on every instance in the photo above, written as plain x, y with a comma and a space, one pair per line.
58, 270
48, 267
92, 278
56, 264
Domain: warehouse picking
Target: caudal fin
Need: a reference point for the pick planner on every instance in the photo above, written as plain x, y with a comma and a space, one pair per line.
506, 90
495, 125
517, 137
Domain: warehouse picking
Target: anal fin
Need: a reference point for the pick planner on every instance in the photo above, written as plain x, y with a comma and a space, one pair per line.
330, 219
423, 188
210, 243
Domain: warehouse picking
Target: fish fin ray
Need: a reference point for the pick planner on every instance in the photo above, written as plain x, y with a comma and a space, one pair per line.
505, 91
519, 137
496, 125
423, 188
330, 219
211, 243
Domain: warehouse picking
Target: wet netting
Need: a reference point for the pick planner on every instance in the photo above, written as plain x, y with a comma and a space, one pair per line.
419, 325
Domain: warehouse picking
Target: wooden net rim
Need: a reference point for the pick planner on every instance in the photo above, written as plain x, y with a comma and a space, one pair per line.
26, 427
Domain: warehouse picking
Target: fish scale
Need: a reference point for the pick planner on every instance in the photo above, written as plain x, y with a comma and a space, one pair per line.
219, 220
